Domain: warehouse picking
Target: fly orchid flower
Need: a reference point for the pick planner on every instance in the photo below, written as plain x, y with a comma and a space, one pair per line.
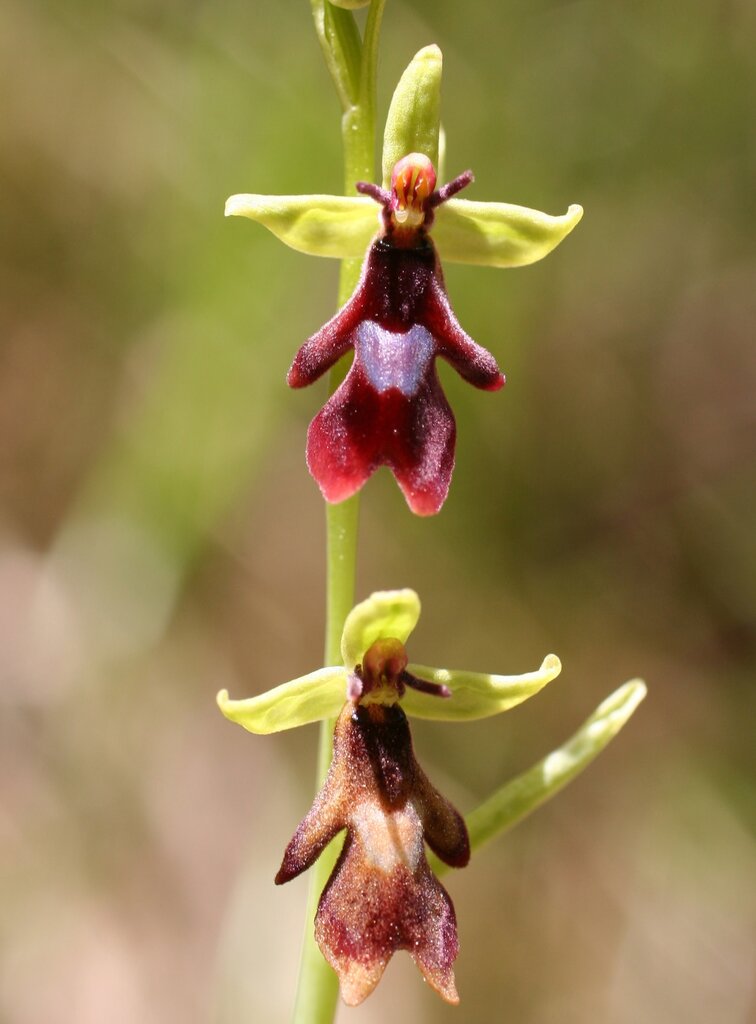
382, 895
390, 410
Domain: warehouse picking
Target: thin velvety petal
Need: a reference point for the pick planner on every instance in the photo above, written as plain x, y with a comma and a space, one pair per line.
318, 225
475, 694
301, 701
385, 614
360, 429
470, 360
499, 234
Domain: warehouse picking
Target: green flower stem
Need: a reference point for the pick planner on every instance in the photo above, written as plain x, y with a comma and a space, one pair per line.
317, 988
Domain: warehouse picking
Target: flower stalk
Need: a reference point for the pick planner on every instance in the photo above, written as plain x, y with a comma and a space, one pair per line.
353, 68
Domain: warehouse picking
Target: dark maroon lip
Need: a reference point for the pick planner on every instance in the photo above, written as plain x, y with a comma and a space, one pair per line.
390, 410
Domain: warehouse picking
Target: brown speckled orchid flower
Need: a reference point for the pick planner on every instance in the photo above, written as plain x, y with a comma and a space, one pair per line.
390, 410
382, 895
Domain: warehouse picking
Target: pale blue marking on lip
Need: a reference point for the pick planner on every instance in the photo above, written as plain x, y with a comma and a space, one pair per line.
394, 360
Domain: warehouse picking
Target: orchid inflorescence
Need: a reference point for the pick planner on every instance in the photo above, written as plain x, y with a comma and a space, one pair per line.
389, 410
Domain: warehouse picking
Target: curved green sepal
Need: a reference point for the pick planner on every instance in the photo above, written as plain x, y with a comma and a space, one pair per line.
387, 613
498, 234
516, 799
412, 124
337, 226
301, 701
475, 694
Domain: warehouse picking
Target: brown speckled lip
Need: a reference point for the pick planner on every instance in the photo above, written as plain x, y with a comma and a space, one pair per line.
382, 895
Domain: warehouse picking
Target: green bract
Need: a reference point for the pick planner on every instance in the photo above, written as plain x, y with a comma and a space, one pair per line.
520, 796
342, 227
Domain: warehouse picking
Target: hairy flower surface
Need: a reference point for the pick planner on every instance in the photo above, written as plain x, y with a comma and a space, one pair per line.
390, 410
382, 895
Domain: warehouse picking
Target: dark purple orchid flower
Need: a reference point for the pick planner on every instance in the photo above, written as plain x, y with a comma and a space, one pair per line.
390, 410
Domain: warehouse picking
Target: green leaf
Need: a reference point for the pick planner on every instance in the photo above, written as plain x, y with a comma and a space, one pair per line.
318, 225
498, 234
387, 613
474, 694
301, 701
412, 124
516, 799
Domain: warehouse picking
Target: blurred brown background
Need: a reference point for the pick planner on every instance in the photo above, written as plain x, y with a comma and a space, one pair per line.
160, 537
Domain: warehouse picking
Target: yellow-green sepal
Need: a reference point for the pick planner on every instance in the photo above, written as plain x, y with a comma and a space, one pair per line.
414, 116
475, 694
319, 225
301, 701
499, 234
387, 613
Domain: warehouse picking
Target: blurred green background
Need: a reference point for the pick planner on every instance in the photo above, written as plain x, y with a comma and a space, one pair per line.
160, 537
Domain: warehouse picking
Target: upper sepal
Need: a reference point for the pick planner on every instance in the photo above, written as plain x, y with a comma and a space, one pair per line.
299, 702
476, 694
414, 117
385, 614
